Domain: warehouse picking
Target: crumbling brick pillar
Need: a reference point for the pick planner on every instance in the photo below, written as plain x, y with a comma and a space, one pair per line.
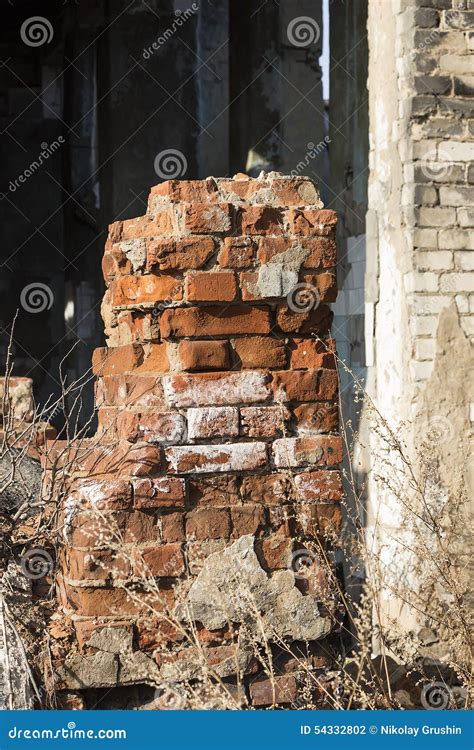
197, 518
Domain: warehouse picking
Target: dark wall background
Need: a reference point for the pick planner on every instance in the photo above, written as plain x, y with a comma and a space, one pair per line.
225, 88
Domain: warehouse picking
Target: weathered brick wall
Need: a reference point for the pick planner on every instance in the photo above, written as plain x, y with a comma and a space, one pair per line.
419, 279
214, 468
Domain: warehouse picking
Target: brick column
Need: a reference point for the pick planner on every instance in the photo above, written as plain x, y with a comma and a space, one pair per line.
215, 460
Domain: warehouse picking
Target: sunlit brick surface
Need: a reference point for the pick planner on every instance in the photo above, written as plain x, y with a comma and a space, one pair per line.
217, 404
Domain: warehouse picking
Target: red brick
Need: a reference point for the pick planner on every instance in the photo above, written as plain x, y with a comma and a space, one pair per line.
111, 494
268, 247
263, 421
97, 565
202, 218
319, 252
155, 633
204, 355
185, 191
214, 321
121, 360
316, 321
155, 359
106, 602
207, 286
213, 422
318, 486
139, 391
238, 252
322, 253
277, 691
146, 290
278, 191
172, 527
107, 423
268, 489
294, 191
214, 491
90, 529
163, 492
115, 231
115, 262
324, 518
206, 459
140, 527
322, 450
325, 283
116, 360
247, 519
261, 220
204, 523
315, 418
305, 385
308, 221
122, 459
313, 354
260, 351
274, 551
135, 326
215, 636
127, 424
216, 389
167, 427
164, 561
189, 252
146, 226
